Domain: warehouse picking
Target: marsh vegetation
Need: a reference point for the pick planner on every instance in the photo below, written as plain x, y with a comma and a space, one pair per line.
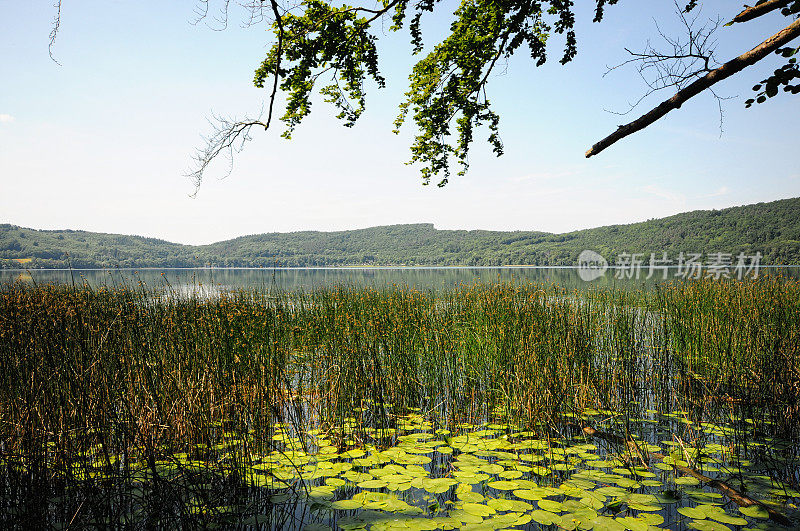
503, 405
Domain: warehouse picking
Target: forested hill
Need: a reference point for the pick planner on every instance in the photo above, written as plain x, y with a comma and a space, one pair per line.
771, 228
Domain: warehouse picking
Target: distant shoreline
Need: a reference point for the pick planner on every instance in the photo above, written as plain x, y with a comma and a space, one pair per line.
711, 236
338, 268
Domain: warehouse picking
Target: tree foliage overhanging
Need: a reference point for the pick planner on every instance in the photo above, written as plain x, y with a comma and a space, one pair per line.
321, 45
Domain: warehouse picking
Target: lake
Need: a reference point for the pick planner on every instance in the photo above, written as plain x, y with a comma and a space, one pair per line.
488, 406
438, 278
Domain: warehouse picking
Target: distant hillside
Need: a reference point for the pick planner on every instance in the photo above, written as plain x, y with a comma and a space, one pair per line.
771, 228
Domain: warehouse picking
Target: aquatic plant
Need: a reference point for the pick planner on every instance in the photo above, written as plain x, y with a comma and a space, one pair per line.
128, 404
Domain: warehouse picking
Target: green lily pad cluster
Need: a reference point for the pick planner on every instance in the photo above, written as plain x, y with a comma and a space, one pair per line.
493, 476
417, 475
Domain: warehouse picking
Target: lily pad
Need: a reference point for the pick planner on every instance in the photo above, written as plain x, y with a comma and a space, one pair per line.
470, 496
754, 511
651, 518
354, 453
491, 469
644, 507
439, 485
708, 525
372, 484
346, 505
478, 509
604, 523
593, 502
633, 523
550, 506
504, 485
529, 494
499, 504
470, 479
543, 517
726, 518
692, 512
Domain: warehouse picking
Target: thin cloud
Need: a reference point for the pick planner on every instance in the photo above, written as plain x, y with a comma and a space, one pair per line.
723, 190
6, 118
663, 193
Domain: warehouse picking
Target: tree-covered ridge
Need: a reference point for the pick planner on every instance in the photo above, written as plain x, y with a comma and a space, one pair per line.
62, 248
770, 228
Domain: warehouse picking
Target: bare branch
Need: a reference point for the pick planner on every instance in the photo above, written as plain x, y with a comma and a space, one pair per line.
202, 14
720, 99
730, 68
256, 13
229, 137
54, 31
680, 64
200, 11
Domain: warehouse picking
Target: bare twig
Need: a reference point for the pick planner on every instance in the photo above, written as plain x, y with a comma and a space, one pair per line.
54, 31
229, 137
680, 64
730, 68
256, 13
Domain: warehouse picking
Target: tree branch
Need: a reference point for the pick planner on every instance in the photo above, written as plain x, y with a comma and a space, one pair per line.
276, 78
229, 136
761, 9
730, 68
54, 31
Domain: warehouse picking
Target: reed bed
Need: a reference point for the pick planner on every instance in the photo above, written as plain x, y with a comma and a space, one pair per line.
123, 379
737, 343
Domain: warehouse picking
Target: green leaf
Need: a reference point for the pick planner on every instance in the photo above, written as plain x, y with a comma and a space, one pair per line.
754, 511
504, 485
692, 512
550, 506
346, 505
477, 509
544, 517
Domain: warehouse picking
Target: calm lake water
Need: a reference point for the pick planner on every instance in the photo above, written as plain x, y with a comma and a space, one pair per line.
211, 280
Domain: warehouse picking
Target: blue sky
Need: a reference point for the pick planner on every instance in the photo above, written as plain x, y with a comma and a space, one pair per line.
103, 141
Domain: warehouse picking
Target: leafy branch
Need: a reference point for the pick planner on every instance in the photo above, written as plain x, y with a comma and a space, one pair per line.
447, 93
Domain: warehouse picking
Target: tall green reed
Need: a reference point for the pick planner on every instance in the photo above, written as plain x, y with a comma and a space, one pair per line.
738, 343
122, 379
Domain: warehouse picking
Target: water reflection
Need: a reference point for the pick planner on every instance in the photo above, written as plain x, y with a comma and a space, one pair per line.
208, 281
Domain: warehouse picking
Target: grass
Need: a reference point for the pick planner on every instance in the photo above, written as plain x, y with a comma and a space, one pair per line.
109, 383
